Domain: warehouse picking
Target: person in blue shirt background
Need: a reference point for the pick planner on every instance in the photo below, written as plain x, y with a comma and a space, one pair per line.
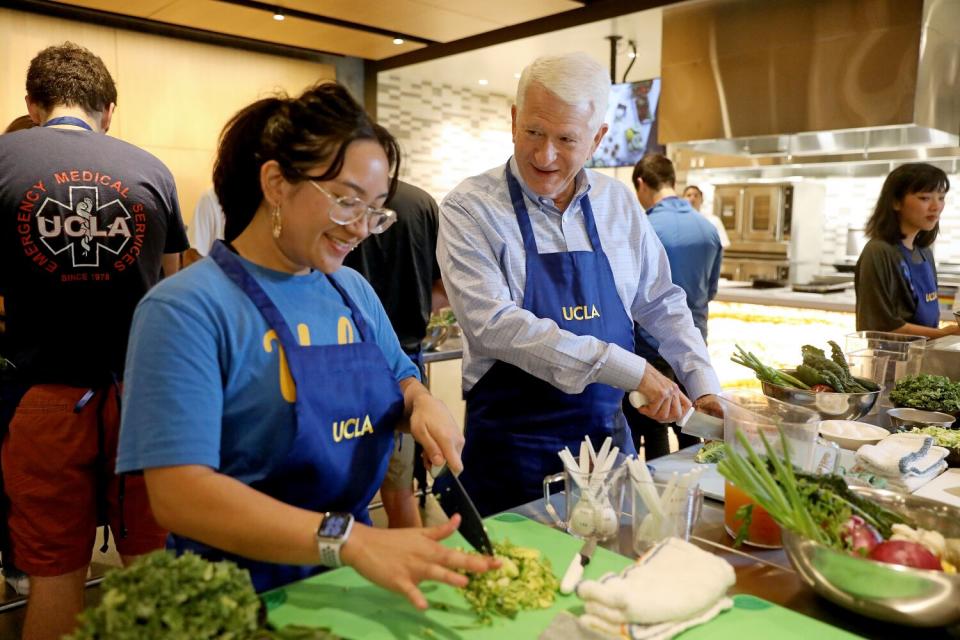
264, 385
694, 252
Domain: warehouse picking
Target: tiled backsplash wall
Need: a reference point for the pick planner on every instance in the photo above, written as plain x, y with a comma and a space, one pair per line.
448, 133
850, 201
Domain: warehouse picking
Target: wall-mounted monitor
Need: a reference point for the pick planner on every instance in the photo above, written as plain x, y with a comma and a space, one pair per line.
632, 120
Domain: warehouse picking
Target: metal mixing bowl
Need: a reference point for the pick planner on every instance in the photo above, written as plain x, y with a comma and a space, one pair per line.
906, 417
830, 405
893, 593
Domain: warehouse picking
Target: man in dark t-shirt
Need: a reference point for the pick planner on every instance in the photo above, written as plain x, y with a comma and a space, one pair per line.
86, 224
401, 265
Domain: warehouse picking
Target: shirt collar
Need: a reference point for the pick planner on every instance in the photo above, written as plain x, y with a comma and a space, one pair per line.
675, 203
581, 186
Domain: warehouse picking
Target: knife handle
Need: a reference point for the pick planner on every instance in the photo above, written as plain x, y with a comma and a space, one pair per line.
571, 578
637, 399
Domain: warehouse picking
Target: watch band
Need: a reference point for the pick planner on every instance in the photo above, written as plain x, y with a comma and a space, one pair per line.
329, 547
329, 554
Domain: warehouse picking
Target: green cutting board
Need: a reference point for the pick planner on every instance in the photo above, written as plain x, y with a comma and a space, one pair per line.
351, 607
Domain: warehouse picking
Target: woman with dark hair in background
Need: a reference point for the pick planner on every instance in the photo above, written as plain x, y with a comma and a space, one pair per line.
896, 277
265, 383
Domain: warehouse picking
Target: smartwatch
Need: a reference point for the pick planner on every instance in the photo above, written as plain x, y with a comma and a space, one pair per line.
331, 534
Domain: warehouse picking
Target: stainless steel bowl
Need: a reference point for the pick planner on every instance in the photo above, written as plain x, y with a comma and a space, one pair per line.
830, 405
893, 593
906, 417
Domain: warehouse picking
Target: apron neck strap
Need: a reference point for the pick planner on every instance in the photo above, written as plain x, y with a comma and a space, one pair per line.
358, 320
234, 269
523, 218
232, 266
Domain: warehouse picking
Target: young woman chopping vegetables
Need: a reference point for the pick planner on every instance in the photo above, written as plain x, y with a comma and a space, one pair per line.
896, 278
265, 383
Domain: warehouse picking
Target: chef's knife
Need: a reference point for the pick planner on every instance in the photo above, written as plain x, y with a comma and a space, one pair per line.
694, 423
575, 571
454, 499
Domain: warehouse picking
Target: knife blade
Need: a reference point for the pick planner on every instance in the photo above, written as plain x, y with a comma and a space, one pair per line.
453, 499
573, 574
702, 425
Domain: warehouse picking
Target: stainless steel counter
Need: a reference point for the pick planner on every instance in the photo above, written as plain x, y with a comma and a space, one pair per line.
763, 573
451, 349
844, 301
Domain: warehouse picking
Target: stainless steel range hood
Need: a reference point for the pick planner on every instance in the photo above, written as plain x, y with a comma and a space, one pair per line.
809, 80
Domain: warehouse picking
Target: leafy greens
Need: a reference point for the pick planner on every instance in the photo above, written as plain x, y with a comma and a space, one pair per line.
524, 581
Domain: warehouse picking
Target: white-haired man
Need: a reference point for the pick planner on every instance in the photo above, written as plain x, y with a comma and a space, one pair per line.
547, 267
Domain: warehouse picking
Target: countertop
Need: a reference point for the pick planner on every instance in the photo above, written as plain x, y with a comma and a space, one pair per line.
450, 349
844, 301
764, 573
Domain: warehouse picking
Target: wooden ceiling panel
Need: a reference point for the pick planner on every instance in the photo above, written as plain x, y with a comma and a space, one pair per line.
140, 8
439, 21
260, 25
406, 16
503, 12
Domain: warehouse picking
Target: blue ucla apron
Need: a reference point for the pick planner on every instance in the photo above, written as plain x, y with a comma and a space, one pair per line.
517, 423
348, 386
923, 286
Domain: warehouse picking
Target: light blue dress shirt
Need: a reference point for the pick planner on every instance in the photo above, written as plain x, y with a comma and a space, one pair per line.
695, 253
482, 260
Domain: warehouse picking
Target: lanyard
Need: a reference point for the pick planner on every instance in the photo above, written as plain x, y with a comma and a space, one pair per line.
77, 122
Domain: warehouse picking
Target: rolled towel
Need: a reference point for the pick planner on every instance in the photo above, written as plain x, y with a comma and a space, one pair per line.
674, 581
901, 454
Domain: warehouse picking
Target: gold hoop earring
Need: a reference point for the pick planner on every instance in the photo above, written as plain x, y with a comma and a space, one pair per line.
277, 222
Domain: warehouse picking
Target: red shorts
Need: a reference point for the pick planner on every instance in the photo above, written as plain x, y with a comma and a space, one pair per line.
50, 475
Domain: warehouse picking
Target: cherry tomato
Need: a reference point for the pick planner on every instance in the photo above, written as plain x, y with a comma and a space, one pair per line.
821, 387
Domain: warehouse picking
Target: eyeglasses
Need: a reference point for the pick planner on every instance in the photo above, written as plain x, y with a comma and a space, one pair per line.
348, 209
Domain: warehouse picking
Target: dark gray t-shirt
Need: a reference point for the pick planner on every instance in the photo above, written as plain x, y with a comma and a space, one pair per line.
84, 222
401, 264
884, 299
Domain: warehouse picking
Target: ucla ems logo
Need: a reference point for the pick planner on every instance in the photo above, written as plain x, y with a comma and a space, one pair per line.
83, 227
581, 312
930, 297
351, 428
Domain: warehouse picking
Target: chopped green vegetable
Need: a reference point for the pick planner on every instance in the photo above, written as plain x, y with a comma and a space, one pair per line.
443, 318
524, 581
933, 393
942, 436
709, 453
164, 597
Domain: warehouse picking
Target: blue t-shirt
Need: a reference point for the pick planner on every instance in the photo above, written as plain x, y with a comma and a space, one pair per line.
206, 383
694, 252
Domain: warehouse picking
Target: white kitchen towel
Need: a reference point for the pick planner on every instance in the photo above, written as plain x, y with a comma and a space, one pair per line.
911, 483
661, 631
901, 454
674, 581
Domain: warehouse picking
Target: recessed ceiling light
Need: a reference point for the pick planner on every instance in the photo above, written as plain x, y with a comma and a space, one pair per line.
517, 76
483, 82
398, 41
278, 15
632, 54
